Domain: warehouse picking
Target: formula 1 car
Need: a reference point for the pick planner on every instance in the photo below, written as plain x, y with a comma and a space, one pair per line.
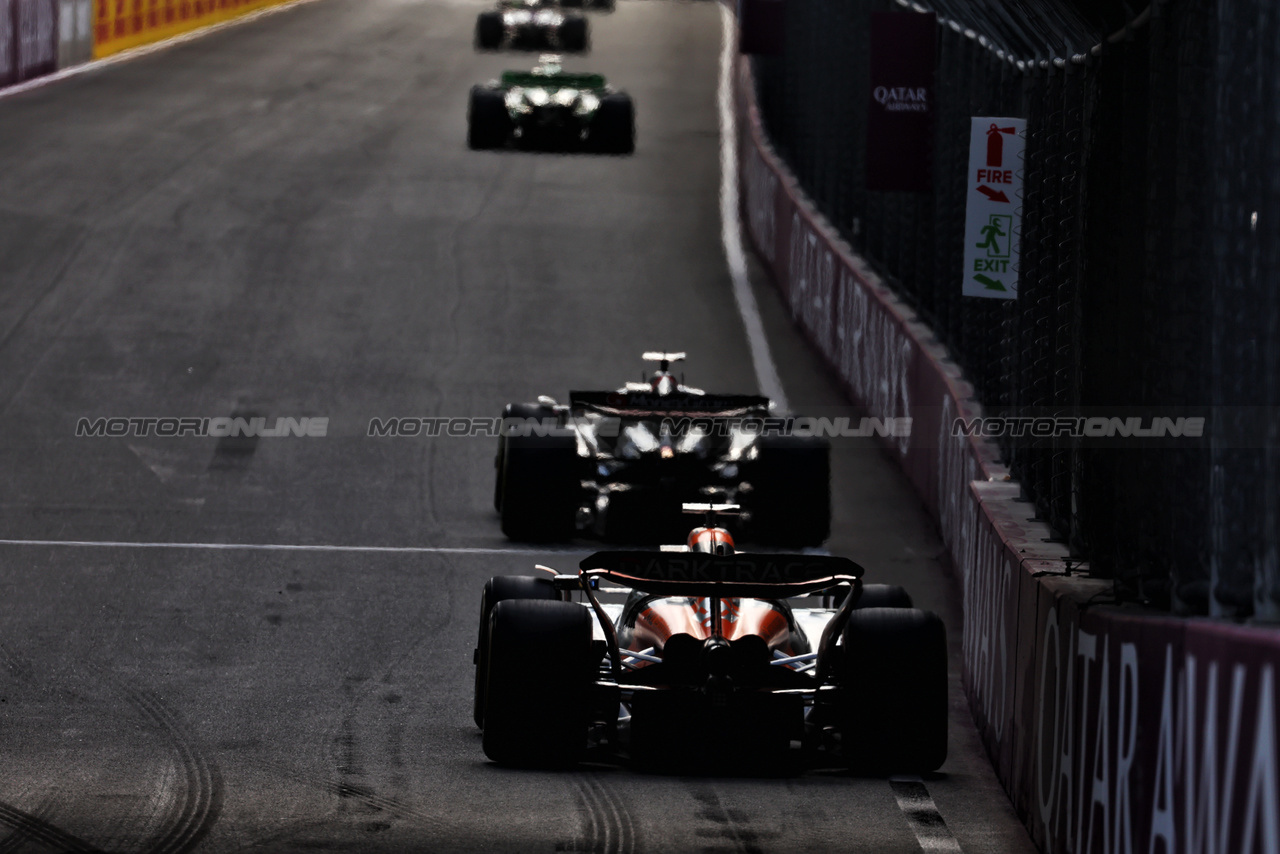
704, 654
535, 24
551, 108
619, 464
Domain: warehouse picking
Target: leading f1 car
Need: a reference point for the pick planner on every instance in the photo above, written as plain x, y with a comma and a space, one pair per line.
702, 654
536, 24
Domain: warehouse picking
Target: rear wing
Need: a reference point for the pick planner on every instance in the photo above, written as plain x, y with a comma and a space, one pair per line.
647, 404
756, 576
564, 79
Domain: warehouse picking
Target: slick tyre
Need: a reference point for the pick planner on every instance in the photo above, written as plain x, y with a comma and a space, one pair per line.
488, 124
892, 711
538, 676
540, 487
613, 130
499, 589
573, 35
489, 31
514, 415
791, 496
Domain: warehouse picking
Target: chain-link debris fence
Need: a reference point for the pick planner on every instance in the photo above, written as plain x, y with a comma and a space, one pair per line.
1148, 280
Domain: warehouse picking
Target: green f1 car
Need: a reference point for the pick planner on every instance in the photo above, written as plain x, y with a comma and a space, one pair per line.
549, 108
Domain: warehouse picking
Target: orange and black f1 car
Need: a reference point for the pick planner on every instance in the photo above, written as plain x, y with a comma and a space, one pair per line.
753, 662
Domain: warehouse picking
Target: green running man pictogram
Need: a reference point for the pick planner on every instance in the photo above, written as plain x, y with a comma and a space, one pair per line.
990, 232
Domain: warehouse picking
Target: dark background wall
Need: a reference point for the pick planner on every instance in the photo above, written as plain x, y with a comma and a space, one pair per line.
1148, 275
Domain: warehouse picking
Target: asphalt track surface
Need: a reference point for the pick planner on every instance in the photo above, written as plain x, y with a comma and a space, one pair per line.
282, 219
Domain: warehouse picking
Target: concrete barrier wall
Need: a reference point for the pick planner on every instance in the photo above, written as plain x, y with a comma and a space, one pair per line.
1112, 729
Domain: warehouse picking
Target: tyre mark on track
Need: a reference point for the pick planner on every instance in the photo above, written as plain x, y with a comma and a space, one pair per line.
922, 815
32, 828
732, 825
609, 827
199, 804
195, 807
361, 794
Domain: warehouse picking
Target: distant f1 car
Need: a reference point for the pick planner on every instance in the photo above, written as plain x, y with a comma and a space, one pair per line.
536, 24
619, 464
551, 108
704, 655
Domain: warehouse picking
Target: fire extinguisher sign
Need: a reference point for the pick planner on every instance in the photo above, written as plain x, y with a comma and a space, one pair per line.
993, 215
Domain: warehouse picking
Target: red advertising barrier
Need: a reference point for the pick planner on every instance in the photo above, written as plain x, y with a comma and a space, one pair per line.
1112, 729
28, 39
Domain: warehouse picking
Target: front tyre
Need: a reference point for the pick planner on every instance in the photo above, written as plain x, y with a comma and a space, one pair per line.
538, 683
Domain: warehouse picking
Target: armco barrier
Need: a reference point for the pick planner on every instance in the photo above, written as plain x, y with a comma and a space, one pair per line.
1113, 730
28, 39
122, 24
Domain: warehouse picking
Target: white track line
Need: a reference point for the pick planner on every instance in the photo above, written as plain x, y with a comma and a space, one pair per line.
922, 815
287, 547
144, 50
731, 225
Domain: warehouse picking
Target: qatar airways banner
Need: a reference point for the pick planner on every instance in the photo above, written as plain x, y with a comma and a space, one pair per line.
900, 112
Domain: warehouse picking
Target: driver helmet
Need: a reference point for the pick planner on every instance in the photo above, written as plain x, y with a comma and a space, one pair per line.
711, 541
663, 383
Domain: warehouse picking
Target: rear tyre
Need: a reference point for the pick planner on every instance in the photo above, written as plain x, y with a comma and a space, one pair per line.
538, 682
523, 412
573, 35
488, 124
499, 589
892, 711
540, 487
791, 496
613, 130
489, 30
